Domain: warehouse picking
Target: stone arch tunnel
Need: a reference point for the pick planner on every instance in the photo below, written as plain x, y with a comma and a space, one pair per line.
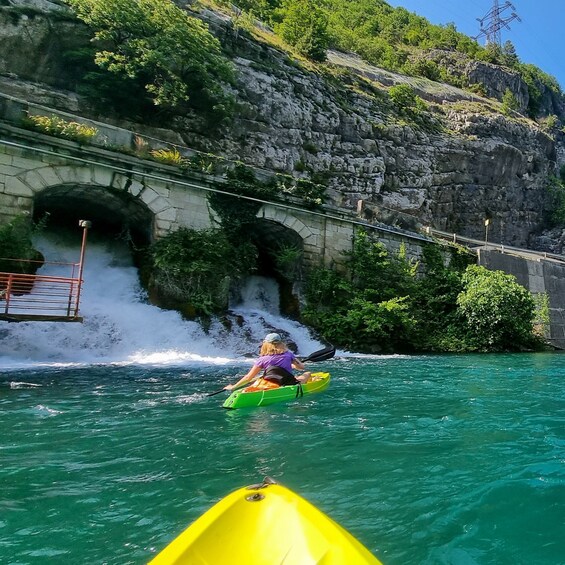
110, 211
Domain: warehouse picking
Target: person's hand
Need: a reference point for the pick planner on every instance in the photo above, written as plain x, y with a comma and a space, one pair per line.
228, 387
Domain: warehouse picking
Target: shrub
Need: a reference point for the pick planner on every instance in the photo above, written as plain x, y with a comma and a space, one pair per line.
53, 125
237, 214
156, 42
288, 259
509, 102
168, 156
191, 267
455, 307
410, 105
16, 243
311, 192
556, 190
497, 312
371, 310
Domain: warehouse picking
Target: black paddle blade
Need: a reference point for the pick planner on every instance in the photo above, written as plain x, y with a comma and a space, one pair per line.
321, 355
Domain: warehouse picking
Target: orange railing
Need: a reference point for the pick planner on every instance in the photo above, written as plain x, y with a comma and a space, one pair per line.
26, 297
39, 296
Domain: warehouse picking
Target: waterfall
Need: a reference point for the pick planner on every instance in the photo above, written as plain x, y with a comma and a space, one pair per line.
120, 326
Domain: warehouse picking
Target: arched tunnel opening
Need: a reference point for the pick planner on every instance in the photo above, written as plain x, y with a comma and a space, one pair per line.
280, 257
113, 214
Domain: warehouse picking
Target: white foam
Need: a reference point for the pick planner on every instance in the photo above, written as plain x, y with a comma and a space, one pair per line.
121, 327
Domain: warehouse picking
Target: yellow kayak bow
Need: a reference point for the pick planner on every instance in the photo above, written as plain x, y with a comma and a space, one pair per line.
264, 524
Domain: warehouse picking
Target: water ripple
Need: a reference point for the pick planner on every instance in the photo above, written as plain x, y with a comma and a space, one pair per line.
427, 460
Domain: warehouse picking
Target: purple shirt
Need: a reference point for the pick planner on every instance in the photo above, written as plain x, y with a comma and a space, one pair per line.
283, 360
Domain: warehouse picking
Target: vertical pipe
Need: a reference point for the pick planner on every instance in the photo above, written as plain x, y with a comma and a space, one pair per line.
8, 292
84, 224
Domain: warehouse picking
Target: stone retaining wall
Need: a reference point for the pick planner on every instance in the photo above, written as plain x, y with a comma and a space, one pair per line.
538, 276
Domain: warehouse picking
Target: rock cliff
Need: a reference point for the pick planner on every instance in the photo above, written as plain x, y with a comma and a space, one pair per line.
451, 166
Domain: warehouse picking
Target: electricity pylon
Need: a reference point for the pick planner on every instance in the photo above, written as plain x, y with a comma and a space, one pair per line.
493, 21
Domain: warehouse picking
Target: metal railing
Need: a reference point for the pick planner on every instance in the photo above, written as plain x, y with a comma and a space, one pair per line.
39, 296
492, 246
33, 297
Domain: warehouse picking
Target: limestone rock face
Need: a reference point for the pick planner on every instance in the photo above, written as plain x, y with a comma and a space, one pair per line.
493, 78
466, 162
480, 165
34, 37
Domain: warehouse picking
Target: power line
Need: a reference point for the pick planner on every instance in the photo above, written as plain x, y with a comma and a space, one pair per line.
493, 21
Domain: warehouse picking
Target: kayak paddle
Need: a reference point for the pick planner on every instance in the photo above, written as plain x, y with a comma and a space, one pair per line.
321, 355
223, 389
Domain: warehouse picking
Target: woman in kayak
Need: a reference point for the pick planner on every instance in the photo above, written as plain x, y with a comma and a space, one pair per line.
276, 361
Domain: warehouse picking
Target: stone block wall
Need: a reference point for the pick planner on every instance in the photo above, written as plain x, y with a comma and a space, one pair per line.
538, 275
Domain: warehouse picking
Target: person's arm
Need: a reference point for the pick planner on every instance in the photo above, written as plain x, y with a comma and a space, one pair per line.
245, 379
297, 364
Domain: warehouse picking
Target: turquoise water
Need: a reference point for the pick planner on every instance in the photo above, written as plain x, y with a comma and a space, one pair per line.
427, 460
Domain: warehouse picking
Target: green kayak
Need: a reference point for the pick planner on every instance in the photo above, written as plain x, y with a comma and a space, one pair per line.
251, 396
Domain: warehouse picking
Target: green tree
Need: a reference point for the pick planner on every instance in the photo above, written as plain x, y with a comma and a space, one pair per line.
435, 298
304, 26
403, 96
371, 310
263, 9
409, 104
509, 56
537, 81
509, 102
375, 273
174, 54
556, 190
497, 312
236, 215
492, 53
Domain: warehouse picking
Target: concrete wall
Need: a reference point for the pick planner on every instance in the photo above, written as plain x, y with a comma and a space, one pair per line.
538, 275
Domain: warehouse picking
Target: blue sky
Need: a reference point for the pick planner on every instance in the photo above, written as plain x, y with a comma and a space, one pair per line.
539, 38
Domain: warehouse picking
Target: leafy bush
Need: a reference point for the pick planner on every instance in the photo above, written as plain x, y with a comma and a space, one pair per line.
190, 267
237, 214
435, 299
424, 68
377, 274
403, 96
311, 192
556, 189
288, 259
410, 105
457, 307
53, 125
204, 163
369, 311
509, 102
16, 243
108, 91
498, 313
